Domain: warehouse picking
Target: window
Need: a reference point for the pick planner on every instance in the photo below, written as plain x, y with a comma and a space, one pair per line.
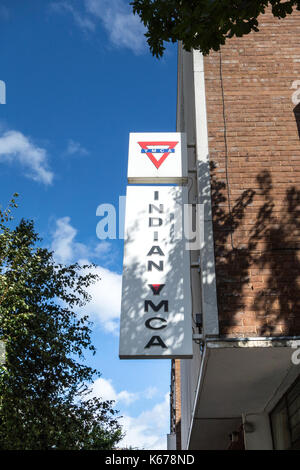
285, 420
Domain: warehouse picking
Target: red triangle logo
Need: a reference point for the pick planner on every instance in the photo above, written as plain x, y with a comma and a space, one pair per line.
163, 153
156, 288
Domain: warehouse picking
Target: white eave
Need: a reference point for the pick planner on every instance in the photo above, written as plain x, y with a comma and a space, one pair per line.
238, 376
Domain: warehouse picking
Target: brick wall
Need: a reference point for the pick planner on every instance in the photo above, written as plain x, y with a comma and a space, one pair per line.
175, 398
178, 404
254, 145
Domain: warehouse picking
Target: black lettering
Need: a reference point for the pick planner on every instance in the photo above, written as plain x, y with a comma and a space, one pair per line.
156, 250
159, 209
156, 341
156, 308
159, 267
148, 323
152, 222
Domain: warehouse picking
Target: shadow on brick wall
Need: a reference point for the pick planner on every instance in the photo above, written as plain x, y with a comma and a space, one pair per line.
297, 117
257, 279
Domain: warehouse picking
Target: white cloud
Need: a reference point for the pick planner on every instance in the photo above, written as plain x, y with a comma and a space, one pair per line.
150, 392
75, 148
123, 27
104, 389
103, 248
127, 397
105, 303
148, 430
82, 21
15, 146
66, 250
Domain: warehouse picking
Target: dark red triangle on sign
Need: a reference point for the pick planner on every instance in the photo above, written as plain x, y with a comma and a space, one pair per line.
158, 163
156, 288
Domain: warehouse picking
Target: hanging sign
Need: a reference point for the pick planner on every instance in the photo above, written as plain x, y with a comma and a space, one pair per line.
156, 307
159, 157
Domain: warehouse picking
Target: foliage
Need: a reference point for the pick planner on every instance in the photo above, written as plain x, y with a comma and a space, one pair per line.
203, 24
43, 386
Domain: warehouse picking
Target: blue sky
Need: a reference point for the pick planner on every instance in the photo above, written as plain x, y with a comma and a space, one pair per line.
79, 78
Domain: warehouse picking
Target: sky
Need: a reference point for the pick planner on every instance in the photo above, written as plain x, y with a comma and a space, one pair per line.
79, 77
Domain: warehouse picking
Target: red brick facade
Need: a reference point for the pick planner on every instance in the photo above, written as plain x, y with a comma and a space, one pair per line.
254, 130
175, 401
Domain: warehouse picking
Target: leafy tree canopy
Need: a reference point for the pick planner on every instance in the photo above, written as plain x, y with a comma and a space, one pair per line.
203, 24
44, 401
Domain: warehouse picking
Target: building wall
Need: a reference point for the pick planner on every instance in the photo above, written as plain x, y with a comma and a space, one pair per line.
186, 122
254, 147
177, 404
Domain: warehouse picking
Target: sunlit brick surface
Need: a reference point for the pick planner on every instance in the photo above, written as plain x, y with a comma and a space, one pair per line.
256, 228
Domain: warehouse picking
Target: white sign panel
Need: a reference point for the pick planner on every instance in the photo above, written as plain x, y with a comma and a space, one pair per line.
157, 158
156, 307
